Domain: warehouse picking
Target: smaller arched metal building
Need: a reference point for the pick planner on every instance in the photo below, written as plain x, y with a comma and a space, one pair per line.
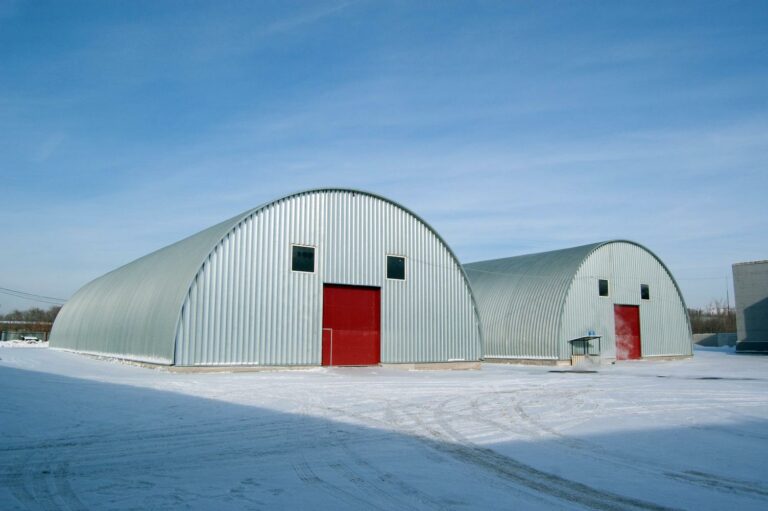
614, 299
330, 276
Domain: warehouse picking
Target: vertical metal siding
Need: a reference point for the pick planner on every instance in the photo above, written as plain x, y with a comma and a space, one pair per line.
750, 286
664, 326
247, 307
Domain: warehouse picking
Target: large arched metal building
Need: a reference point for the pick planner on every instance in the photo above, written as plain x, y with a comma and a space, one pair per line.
329, 276
616, 300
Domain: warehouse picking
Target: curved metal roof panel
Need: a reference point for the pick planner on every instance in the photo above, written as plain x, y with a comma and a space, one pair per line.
532, 286
132, 312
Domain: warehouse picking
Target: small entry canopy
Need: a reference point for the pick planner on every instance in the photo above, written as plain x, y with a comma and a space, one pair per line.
583, 347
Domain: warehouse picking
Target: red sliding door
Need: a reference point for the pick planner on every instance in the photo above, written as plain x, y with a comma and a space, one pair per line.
351, 325
627, 319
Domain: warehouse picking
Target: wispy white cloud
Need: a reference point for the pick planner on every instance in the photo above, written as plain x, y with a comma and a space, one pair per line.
48, 146
311, 15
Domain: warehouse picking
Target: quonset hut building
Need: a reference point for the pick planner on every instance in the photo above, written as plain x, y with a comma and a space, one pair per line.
614, 300
329, 276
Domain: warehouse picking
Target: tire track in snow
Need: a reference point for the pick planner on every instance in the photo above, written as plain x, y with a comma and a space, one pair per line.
627, 460
39, 478
459, 446
436, 440
13, 478
41, 483
393, 420
720, 483
358, 473
308, 476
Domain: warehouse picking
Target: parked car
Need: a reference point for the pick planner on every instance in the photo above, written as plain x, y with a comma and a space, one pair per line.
30, 338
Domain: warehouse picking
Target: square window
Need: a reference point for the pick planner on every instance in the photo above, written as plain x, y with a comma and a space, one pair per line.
396, 267
603, 287
645, 292
303, 258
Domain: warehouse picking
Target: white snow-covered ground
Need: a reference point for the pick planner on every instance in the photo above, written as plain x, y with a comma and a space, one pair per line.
79, 433
18, 343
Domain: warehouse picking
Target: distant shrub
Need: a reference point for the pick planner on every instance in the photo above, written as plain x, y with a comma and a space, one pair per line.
32, 315
715, 319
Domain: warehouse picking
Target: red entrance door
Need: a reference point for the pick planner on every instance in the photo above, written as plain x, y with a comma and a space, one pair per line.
351, 325
627, 319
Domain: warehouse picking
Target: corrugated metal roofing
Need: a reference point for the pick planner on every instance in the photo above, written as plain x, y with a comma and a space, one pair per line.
132, 312
531, 305
532, 287
216, 297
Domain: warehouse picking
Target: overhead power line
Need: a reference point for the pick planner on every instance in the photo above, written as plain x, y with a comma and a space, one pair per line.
31, 296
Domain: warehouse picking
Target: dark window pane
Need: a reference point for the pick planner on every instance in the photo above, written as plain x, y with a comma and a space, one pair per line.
303, 259
603, 284
396, 267
645, 293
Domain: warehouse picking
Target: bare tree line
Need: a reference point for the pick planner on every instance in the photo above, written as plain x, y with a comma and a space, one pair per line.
32, 315
715, 319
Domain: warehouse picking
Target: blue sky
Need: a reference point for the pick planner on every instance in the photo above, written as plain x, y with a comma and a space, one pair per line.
512, 127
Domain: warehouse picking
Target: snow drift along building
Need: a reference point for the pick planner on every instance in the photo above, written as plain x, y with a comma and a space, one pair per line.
329, 276
615, 297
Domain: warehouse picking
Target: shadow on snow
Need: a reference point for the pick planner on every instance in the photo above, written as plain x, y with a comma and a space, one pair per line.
82, 444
